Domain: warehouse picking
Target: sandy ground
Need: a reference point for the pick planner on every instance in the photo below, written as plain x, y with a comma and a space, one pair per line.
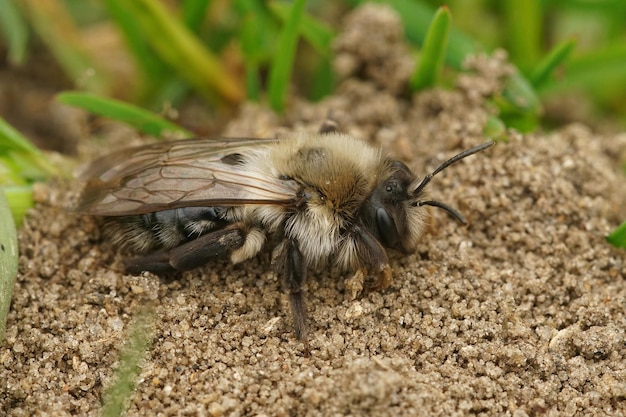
521, 313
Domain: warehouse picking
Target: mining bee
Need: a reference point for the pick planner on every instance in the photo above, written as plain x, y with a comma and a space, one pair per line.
324, 199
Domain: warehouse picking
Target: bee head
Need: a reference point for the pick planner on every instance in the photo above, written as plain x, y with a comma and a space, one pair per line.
392, 212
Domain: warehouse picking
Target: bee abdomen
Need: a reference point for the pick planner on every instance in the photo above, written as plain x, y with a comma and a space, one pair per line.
173, 227
167, 228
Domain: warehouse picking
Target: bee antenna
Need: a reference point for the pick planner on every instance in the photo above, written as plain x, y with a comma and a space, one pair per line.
452, 212
445, 165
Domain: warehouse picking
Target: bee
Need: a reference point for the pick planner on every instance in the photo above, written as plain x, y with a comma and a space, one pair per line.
323, 199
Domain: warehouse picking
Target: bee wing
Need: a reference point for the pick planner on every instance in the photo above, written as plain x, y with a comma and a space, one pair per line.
191, 172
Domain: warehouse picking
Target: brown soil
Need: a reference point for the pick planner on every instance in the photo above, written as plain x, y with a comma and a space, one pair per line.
521, 313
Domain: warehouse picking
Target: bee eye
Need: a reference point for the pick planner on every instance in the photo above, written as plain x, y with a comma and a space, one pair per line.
383, 212
386, 228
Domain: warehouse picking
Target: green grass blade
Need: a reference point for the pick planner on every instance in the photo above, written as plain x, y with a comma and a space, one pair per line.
546, 67
140, 335
324, 81
520, 95
8, 261
21, 163
523, 31
257, 34
153, 71
15, 31
316, 33
433, 51
282, 61
21, 156
58, 31
592, 70
495, 129
194, 12
139, 118
249, 35
319, 36
416, 17
21, 168
519, 105
11, 139
178, 47
617, 238
253, 7
253, 81
20, 199
257, 37
9, 173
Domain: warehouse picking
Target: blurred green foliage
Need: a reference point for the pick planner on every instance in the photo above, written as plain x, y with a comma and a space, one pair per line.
230, 51
617, 238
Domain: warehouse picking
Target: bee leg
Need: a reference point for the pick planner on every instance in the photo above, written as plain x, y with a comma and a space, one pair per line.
383, 281
354, 284
374, 254
157, 263
189, 255
292, 266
